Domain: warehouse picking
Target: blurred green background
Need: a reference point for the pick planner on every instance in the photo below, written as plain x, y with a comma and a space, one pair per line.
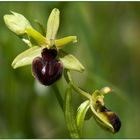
109, 48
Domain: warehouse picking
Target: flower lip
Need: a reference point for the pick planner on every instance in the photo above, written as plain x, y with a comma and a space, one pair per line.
112, 117
47, 69
48, 54
104, 109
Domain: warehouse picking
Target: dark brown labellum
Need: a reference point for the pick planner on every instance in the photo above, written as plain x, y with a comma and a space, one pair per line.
114, 120
47, 69
112, 117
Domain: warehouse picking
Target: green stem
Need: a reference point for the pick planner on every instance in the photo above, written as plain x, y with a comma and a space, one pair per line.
77, 89
82, 92
58, 96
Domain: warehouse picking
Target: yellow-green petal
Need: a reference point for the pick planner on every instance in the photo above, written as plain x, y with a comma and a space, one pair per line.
40, 39
59, 43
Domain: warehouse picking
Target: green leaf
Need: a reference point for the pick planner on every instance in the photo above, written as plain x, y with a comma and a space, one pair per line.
26, 57
81, 112
59, 43
70, 62
69, 114
16, 23
53, 25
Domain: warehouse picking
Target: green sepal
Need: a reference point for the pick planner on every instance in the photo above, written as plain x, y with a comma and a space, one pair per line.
26, 57
59, 43
70, 62
53, 25
81, 113
17, 23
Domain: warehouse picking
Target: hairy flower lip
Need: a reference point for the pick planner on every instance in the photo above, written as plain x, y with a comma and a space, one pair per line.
47, 69
115, 121
112, 117
49, 54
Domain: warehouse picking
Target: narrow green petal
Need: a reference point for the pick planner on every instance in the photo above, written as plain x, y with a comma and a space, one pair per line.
53, 25
70, 62
59, 43
39, 38
26, 57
